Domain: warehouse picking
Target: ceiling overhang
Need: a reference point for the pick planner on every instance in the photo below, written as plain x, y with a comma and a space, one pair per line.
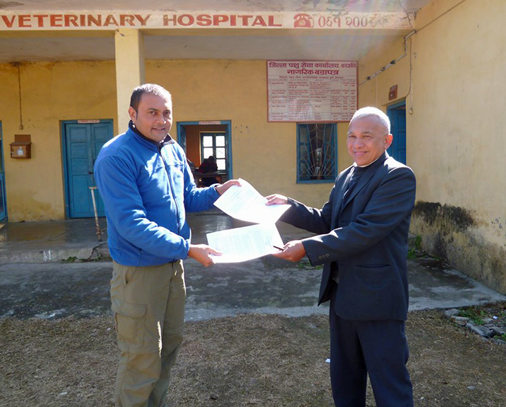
66, 30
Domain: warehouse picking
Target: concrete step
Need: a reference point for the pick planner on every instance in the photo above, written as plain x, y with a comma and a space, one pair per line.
55, 254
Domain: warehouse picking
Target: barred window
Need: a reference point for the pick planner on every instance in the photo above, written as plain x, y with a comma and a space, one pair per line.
316, 152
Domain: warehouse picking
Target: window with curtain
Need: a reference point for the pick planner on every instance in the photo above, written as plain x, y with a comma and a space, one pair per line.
316, 152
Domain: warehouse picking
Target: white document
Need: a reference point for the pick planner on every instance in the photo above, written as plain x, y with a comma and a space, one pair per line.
245, 203
246, 243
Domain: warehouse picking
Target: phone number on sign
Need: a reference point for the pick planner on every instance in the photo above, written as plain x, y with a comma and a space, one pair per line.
351, 22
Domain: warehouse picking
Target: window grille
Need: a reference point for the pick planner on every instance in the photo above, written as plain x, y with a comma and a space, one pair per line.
316, 152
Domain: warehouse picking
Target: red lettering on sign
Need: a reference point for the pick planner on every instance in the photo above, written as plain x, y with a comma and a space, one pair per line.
167, 20
125, 19
245, 20
110, 20
24, 21
56, 20
40, 19
259, 20
94, 20
8, 23
272, 24
219, 18
143, 21
186, 19
70, 19
97, 19
204, 20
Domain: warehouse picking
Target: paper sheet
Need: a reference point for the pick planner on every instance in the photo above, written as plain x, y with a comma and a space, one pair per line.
245, 203
246, 243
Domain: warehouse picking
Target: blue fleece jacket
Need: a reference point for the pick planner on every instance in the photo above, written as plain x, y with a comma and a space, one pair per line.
147, 187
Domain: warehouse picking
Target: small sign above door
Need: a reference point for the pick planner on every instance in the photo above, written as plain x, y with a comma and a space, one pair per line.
392, 93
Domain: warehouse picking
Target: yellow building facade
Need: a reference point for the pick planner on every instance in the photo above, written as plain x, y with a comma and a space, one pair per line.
452, 83
438, 65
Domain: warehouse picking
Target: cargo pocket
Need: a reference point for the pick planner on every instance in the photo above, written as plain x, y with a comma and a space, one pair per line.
129, 321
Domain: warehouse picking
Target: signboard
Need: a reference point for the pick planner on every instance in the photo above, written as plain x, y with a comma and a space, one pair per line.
206, 122
86, 121
100, 20
311, 91
392, 93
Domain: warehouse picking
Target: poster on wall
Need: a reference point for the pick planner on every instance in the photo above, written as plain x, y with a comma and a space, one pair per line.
311, 91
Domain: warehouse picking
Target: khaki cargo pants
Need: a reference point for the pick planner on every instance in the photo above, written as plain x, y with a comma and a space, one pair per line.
148, 303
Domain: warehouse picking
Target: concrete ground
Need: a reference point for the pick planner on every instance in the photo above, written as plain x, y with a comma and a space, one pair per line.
41, 275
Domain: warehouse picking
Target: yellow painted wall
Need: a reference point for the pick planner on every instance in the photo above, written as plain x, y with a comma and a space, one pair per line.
263, 153
375, 91
50, 92
455, 134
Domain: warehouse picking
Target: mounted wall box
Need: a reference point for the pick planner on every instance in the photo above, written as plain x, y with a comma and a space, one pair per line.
22, 146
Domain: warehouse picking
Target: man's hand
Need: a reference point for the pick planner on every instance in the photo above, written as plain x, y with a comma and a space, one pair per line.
293, 251
201, 252
276, 199
222, 188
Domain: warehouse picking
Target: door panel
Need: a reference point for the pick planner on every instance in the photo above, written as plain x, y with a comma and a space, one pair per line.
3, 209
102, 133
398, 123
3, 206
83, 143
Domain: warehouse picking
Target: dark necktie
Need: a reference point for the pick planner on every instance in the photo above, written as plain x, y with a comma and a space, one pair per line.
355, 177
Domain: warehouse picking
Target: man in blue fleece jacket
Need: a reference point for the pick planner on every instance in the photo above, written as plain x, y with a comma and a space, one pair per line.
147, 187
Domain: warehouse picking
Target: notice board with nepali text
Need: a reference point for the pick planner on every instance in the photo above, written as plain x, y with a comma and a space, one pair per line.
311, 91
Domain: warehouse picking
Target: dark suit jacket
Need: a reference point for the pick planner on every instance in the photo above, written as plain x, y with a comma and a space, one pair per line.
366, 240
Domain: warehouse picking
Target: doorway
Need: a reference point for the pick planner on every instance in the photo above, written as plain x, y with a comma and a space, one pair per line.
3, 203
81, 143
202, 139
397, 115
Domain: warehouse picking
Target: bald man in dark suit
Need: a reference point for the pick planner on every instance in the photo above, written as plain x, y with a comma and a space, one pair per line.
362, 236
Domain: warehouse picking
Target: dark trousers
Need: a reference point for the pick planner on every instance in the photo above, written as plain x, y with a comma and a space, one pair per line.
375, 347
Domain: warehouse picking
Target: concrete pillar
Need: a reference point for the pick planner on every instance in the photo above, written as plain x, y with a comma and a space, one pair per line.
129, 47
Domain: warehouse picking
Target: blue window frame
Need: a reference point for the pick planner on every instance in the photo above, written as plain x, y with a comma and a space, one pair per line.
316, 152
215, 144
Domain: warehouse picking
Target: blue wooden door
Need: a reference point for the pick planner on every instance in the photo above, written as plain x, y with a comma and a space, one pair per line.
3, 206
83, 142
398, 123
